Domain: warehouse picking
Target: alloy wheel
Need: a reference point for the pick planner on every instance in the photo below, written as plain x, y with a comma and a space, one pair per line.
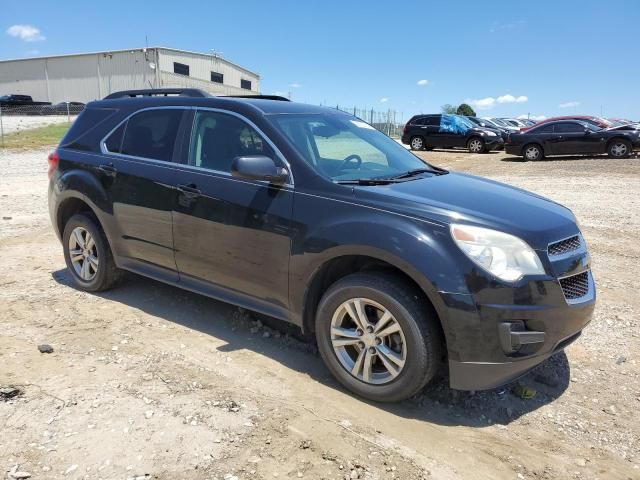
475, 146
83, 254
416, 143
368, 341
619, 149
532, 153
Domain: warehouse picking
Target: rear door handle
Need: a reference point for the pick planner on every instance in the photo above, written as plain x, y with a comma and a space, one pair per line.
108, 169
189, 191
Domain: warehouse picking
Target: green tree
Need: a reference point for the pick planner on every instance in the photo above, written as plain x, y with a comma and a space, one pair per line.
448, 108
465, 110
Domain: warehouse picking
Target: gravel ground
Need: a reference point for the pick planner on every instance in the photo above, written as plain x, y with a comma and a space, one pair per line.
148, 381
15, 123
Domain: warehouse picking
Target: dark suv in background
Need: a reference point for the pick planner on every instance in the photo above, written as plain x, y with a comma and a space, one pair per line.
312, 216
426, 132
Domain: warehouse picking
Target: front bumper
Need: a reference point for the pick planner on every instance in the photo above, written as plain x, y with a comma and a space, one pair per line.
494, 143
499, 332
513, 149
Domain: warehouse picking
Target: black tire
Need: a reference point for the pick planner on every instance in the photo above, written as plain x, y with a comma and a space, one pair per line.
619, 148
529, 152
107, 275
416, 143
476, 145
419, 326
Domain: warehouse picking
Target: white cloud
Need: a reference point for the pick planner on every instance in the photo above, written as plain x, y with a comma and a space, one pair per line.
295, 85
569, 104
483, 103
28, 33
508, 98
384, 100
422, 83
488, 103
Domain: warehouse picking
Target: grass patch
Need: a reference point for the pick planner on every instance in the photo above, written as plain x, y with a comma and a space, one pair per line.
33, 138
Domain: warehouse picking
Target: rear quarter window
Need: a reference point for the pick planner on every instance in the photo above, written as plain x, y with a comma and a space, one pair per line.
84, 133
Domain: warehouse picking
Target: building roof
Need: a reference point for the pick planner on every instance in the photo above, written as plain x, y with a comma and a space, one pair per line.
217, 57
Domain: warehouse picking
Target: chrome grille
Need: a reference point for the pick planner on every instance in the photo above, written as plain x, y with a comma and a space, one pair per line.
564, 246
575, 286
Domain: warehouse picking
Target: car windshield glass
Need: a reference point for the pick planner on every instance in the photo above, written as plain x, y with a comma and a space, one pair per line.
4, 97
343, 147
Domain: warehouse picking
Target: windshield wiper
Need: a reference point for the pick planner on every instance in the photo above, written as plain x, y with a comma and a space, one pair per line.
418, 171
367, 181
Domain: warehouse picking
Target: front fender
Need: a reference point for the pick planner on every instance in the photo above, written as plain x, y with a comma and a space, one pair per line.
423, 251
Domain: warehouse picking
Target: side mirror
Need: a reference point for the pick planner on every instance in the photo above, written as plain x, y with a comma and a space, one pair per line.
259, 167
587, 131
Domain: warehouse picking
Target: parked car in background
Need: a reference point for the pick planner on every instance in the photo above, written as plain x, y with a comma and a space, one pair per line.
62, 108
15, 100
528, 122
484, 123
572, 137
426, 132
515, 122
597, 121
502, 124
312, 216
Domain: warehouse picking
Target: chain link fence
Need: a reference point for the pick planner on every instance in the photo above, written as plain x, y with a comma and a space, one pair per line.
388, 122
15, 118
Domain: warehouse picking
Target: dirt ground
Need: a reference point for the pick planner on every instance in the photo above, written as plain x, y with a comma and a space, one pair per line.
16, 123
148, 381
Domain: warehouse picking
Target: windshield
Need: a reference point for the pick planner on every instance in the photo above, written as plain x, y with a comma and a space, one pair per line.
342, 147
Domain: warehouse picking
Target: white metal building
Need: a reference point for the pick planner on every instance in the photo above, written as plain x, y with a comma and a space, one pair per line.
83, 77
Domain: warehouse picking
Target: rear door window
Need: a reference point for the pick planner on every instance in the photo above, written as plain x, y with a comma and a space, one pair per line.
569, 128
152, 134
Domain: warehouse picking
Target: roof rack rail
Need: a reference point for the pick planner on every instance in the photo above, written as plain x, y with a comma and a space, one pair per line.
262, 97
158, 92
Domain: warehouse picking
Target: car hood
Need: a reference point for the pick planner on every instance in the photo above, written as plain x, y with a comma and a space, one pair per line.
463, 198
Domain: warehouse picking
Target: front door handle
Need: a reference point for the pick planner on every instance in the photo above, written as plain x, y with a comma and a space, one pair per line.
108, 169
189, 191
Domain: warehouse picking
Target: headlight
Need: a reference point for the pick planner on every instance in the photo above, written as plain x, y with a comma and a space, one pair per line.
503, 255
490, 134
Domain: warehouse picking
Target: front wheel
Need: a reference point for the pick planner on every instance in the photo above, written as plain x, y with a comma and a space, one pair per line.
619, 149
377, 338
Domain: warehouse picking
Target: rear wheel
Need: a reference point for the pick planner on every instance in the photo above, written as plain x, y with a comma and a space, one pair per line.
376, 338
87, 254
417, 143
476, 145
619, 148
532, 152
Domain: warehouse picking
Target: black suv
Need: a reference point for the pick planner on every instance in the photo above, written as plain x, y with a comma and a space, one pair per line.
426, 132
312, 216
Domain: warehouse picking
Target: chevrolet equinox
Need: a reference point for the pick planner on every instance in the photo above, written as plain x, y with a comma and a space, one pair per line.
310, 215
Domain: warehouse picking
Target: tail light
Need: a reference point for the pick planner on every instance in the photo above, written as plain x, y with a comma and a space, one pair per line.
406, 127
53, 160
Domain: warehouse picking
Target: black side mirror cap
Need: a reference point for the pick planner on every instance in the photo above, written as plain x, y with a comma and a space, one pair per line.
259, 167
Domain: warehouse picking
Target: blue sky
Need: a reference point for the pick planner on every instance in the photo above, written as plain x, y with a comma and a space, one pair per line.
507, 58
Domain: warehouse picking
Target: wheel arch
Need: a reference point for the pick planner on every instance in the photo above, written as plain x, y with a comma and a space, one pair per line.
359, 260
78, 191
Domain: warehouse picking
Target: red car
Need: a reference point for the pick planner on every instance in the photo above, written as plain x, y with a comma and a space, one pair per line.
597, 121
